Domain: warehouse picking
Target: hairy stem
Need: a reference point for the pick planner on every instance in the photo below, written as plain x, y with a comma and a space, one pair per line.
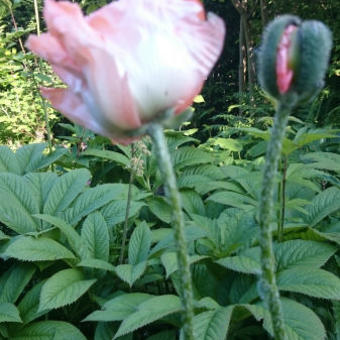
167, 172
268, 288
128, 205
282, 200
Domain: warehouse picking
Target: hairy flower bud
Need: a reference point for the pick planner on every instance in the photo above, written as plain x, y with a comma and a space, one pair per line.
293, 57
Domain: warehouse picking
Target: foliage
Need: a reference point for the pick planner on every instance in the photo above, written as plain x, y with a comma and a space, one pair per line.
61, 235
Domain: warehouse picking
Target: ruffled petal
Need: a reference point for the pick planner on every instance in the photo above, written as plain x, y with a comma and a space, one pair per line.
113, 102
66, 22
72, 106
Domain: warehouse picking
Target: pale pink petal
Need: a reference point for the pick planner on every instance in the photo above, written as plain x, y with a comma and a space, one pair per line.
66, 22
72, 106
111, 92
284, 72
50, 49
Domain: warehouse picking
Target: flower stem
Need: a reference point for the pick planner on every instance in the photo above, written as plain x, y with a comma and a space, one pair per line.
167, 172
268, 288
128, 205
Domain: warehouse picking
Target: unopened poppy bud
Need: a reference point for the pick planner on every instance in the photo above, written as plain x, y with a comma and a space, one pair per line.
293, 57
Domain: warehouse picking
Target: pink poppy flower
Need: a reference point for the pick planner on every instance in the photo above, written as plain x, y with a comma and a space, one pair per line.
284, 69
128, 62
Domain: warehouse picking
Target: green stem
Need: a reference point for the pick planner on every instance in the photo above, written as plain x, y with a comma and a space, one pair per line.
167, 172
128, 205
282, 200
268, 287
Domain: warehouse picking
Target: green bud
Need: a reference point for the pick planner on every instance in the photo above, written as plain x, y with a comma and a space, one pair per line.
293, 57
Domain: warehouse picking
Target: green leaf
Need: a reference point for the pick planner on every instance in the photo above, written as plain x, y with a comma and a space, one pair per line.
90, 200
8, 161
170, 263
17, 203
189, 156
247, 262
29, 156
3, 236
95, 236
47, 330
300, 322
149, 311
323, 160
233, 199
14, 281
9, 313
29, 304
109, 155
97, 264
161, 209
72, 236
28, 248
313, 282
63, 288
139, 244
212, 325
130, 273
42, 182
323, 205
65, 190
192, 202
114, 212
119, 307
311, 254
227, 144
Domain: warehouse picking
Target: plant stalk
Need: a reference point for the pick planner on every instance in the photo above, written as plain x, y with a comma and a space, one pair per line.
167, 172
128, 205
268, 287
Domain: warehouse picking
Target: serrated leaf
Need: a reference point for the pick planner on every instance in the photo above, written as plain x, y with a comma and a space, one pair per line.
14, 281
313, 282
323, 160
324, 204
97, 264
114, 212
212, 325
119, 307
95, 236
29, 156
189, 156
65, 190
47, 330
109, 155
89, 201
17, 205
293, 253
28, 248
43, 182
150, 311
160, 208
63, 288
139, 244
130, 273
300, 322
247, 262
233, 199
29, 304
9, 313
72, 236
170, 263
192, 202
8, 161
